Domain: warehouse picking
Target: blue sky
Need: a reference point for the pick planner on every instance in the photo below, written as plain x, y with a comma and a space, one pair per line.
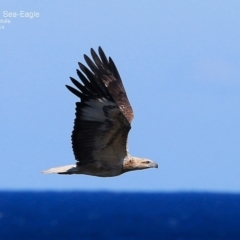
179, 61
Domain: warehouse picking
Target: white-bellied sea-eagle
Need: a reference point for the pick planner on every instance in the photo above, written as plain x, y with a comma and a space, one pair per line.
102, 123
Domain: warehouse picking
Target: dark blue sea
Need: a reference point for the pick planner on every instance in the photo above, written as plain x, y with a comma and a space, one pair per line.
111, 215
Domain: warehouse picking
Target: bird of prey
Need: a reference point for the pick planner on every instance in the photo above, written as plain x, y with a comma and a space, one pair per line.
102, 123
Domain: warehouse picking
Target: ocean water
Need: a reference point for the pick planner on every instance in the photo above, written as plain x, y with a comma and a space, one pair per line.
111, 215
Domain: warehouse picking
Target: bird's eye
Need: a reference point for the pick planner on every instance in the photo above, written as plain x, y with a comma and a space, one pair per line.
147, 162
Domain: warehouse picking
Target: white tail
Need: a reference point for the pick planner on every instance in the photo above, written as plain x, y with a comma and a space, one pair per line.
69, 169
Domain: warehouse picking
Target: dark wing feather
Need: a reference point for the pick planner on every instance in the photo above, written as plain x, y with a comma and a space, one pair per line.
107, 71
104, 114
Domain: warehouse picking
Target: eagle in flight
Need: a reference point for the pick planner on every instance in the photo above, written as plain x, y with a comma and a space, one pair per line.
102, 123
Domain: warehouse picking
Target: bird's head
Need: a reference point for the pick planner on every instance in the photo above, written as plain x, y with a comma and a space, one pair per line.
134, 163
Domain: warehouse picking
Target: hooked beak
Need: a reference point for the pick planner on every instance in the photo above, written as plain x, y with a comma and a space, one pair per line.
154, 165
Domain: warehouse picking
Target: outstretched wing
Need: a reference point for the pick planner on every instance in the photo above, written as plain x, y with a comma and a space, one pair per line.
103, 115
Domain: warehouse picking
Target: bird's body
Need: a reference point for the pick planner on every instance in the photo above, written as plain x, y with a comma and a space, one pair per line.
103, 120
